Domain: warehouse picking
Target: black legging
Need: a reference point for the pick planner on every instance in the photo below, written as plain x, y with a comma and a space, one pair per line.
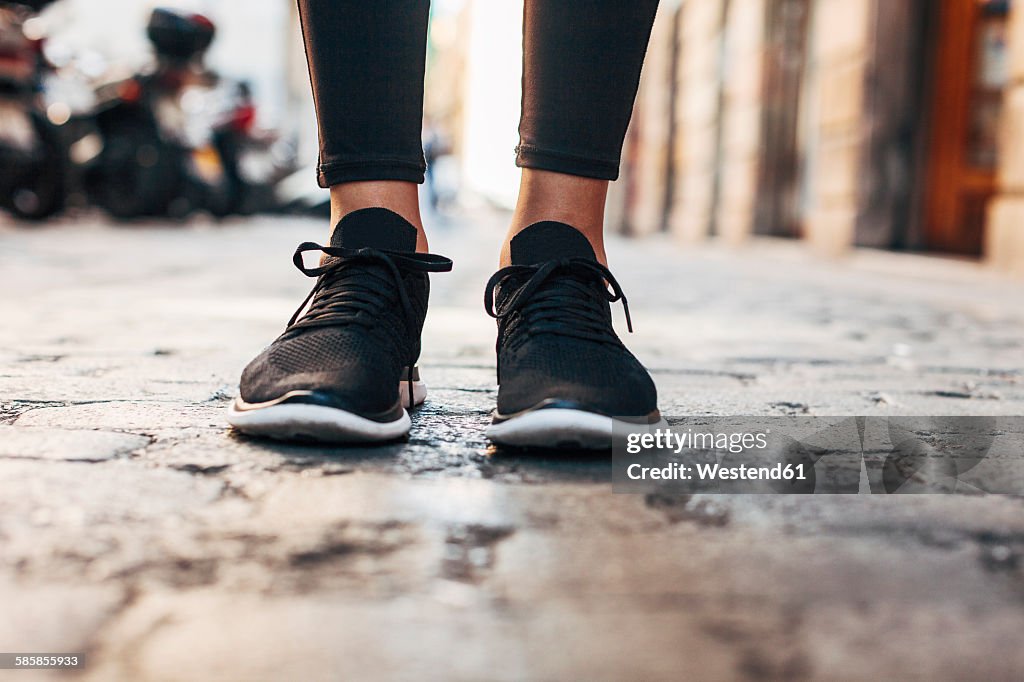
581, 67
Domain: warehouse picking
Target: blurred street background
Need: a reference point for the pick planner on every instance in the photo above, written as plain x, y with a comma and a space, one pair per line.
820, 213
836, 123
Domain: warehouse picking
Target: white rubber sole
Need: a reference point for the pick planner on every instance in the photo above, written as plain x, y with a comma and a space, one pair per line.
298, 422
558, 428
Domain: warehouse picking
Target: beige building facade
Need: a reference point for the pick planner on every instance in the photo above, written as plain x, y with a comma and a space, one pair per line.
895, 124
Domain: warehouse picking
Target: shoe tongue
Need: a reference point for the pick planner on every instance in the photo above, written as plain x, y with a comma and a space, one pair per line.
374, 228
549, 240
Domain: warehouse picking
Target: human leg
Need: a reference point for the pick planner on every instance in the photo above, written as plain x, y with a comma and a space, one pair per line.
344, 369
564, 375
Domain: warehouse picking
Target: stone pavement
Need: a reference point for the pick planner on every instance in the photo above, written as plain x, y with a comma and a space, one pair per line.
136, 528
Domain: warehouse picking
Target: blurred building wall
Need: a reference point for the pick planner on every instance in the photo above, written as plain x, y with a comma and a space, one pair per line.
700, 55
838, 58
833, 121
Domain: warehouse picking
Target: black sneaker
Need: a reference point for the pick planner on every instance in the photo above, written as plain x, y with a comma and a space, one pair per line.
563, 374
345, 369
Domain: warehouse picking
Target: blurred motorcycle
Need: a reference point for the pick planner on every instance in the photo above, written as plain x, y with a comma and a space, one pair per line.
33, 154
178, 138
143, 168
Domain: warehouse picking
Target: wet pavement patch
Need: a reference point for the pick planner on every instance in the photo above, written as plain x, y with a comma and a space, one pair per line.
469, 551
678, 508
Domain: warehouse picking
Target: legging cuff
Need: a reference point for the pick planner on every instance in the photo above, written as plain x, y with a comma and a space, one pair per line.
337, 172
570, 164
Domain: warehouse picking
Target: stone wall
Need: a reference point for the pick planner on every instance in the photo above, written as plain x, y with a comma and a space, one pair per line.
697, 117
695, 154
834, 113
740, 135
717, 105
717, 114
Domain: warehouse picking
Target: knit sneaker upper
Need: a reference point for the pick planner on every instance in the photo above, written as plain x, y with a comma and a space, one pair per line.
351, 341
556, 345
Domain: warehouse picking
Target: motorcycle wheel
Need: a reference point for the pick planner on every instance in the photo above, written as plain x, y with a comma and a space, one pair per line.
36, 182
137, 175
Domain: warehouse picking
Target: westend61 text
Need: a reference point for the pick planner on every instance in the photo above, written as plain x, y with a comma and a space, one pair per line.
716, 472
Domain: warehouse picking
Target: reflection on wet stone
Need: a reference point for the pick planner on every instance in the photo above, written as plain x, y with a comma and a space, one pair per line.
704, 511
469, 551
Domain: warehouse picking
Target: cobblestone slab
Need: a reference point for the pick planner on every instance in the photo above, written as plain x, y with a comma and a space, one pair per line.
66, 444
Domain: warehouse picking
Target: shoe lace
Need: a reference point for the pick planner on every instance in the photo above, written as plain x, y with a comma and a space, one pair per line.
359, 294
569, 309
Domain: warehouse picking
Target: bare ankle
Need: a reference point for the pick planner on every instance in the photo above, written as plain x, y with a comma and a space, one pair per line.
569, 199
397, 196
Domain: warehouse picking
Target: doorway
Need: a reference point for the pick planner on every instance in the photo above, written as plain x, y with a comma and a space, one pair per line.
969, 77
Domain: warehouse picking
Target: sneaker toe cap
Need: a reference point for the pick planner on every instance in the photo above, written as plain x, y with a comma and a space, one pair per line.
619, 386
